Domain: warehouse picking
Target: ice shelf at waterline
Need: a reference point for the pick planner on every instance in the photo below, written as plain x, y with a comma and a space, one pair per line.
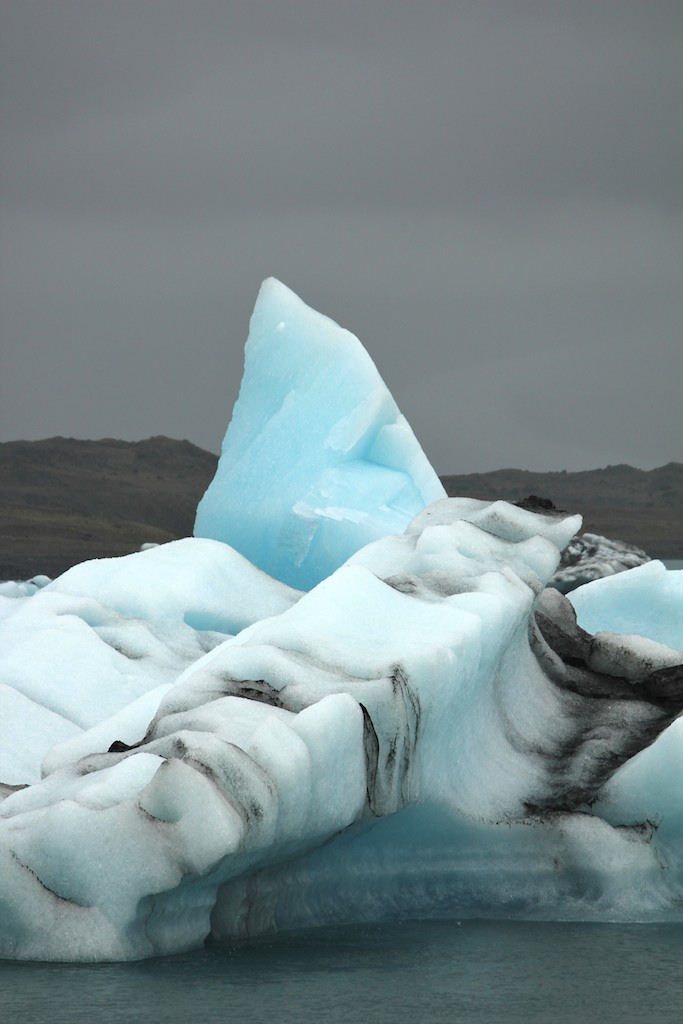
193, 748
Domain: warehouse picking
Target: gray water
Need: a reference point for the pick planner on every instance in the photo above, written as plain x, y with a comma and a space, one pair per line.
431, 972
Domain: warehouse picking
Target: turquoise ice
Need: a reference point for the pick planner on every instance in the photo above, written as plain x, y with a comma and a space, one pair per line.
317, 460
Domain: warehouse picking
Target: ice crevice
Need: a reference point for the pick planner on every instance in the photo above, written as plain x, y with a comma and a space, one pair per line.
346, 698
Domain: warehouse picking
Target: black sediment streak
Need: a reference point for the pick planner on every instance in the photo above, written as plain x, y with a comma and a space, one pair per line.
609, 717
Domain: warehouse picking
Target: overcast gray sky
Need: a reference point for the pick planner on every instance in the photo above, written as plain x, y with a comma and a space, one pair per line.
488, 193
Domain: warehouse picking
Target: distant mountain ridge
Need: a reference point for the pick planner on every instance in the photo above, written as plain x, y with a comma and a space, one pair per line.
642, 507
64, 500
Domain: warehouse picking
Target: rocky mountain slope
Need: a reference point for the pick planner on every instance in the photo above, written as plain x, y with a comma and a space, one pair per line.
637, 506
64, 500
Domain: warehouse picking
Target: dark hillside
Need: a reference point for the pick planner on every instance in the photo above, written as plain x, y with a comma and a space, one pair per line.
64, 500
634, 505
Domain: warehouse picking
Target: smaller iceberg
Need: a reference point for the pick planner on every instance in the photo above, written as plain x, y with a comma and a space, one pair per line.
317, 460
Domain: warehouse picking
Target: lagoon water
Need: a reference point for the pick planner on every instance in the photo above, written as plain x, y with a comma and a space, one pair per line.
438, 971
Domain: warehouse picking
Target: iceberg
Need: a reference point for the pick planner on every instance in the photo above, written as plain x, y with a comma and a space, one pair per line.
317, 460
346, 698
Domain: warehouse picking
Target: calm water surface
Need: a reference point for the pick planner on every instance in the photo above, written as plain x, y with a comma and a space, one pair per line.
488, 972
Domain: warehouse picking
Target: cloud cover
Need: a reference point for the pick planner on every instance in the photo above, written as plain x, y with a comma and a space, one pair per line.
487, 194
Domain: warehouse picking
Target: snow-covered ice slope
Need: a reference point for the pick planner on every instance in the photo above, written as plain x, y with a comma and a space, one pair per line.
108, 637
426, 731
317, 460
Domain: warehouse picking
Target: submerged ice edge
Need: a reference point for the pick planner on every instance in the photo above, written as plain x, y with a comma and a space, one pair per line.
426, 731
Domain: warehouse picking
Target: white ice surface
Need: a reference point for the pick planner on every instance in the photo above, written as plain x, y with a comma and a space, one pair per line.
88, 645
400, 740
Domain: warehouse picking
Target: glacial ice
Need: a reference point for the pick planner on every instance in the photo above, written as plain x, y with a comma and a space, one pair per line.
108, 637
317, 460
193, 749
591, 557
